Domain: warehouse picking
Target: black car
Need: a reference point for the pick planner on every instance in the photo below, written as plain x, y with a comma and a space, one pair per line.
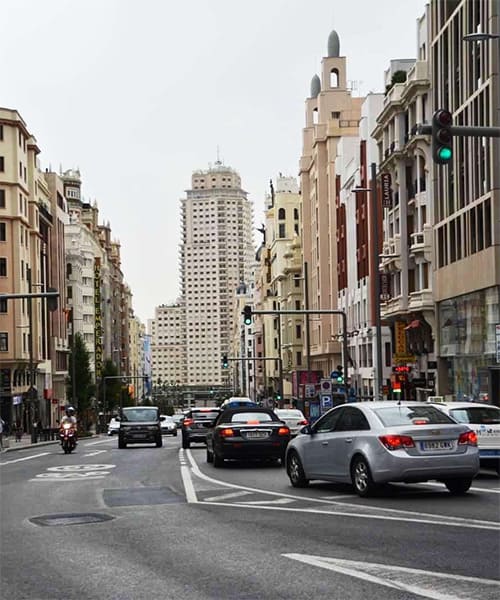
247, 433
139, 425
196, 423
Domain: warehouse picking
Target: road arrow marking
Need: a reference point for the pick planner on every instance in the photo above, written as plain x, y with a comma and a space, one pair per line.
430, 584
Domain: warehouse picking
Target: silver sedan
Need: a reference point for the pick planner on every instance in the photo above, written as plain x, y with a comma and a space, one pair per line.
372, 443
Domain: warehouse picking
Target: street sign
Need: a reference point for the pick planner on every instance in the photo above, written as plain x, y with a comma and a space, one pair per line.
310, 390
326, 401
326, 386
386, 190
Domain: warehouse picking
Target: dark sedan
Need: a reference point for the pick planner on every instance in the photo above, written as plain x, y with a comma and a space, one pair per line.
247, 433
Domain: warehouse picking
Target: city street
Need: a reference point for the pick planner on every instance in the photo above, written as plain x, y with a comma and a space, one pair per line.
143, 522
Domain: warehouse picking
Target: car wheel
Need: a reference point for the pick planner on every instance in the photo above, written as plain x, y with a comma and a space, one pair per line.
218, 461
175, 433
159, 442
121, 444
362, 478
185, 443
295, 471
458, 486
210, 456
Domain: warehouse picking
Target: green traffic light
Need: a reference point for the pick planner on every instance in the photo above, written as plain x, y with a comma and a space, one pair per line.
445, 153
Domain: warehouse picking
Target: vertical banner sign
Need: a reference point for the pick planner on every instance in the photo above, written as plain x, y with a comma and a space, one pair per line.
400, 337
386, 190
497, 341
98, 318
385, 287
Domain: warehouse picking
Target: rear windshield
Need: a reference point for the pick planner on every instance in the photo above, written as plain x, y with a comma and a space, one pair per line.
199, 415
140, 414
289, 414
244, 417
478, 415
411, 415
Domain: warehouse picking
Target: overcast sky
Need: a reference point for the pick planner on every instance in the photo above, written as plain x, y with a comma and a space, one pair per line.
138, 94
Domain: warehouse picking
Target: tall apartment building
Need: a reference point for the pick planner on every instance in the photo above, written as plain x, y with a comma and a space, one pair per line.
466, 80
216, 256
168, 345
331, 114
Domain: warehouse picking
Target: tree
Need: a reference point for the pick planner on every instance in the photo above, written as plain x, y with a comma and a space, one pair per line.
79, 367
397, 77
113, 387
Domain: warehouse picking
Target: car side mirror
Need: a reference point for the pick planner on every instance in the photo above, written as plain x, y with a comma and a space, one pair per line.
117, 419
162, 418
307, 430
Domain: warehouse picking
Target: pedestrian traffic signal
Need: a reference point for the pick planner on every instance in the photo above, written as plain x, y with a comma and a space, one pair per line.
225, 362
442, 137
247, 315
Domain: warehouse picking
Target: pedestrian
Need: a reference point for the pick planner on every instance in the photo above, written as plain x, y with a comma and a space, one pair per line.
19, 431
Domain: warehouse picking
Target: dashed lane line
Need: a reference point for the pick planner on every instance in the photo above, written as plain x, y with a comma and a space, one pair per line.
9, 462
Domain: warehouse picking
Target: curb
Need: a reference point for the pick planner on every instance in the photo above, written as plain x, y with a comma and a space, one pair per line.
19, 446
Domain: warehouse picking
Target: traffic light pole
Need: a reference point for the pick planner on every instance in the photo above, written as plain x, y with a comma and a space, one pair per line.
464, 131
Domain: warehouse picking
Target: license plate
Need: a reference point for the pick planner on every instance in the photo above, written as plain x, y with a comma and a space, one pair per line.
257, 434
437, 445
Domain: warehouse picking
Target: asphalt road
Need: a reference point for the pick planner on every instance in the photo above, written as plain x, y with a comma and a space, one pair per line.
147, 523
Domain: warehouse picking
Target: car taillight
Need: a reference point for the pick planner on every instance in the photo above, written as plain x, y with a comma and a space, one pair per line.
468, 437
227, 432
303, 422
188, 422
396, 442
283, 431
253, 422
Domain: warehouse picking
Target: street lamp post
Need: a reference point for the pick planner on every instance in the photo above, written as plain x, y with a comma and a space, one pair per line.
372, 190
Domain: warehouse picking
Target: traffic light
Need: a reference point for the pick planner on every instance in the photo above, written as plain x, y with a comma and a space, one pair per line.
52, 301
277, 396
340, 374
442, 137
225, 362
247, 315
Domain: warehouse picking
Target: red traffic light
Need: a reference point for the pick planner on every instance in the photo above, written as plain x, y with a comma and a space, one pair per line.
443, 118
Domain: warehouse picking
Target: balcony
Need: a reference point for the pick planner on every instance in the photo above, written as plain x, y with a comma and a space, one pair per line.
421, 243
421, 300
393, 307
391, 253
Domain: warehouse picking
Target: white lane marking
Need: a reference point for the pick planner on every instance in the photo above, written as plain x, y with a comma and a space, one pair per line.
267, 502
430, 584
187, 481
10, 462
467, 524
338, 496
472, 489
99, 442
70, 476
225, 496
95, 453
457, 521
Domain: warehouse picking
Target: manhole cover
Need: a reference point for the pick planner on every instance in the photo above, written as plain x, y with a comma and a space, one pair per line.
141, 496
70, 519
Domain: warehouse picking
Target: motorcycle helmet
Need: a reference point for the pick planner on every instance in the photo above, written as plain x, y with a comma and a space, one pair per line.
70, 411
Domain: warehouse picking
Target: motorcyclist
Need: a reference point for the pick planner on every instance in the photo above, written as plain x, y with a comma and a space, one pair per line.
69, 417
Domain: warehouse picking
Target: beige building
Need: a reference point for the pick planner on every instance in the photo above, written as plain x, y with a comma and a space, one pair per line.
168, 345
465, 80
331, 113
33, 367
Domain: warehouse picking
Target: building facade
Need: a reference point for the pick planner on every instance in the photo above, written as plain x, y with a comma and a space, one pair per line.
216, 256
465, 81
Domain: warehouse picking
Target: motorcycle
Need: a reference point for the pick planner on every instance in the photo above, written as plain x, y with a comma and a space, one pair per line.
67, 436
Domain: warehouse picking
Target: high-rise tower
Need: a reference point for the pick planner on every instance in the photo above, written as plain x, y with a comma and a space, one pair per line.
217, 252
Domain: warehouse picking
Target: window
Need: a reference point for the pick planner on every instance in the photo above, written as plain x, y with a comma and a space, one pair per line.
4, 341
353, 420
329, 421
3, 305
2, 198
3, 267
3, 232
298, 331
281, 230
281, 214
1, 132
2, 164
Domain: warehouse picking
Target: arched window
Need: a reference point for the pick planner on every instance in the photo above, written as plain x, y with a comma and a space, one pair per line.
281, 214
334, 78
315, 116
296, 214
